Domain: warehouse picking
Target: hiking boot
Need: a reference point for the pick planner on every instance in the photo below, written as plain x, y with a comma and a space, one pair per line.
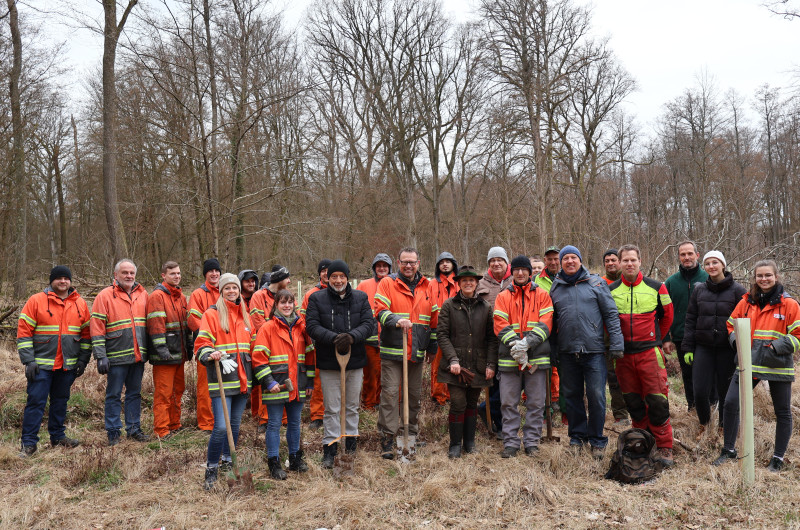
275, 469
262, 428
725, 456
66, 442
27, 450
575, 447
329, 455
470, 426
509, 452
387, 447
665, 456
350, 445
775, 465
456, 435
113, 439
598, 452
139, 436
622, 422
297, 463
314, 425
211, 478
531, 450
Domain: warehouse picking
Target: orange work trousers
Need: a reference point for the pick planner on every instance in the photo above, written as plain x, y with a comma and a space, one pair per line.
371, 387
554, 384
316, 407
439, 391
205, 418
168, 387
257, 408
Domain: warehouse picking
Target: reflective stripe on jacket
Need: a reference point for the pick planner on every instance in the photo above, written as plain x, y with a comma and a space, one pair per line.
260, 307
236, 342
394, 301
119, 325
776, 325
167, 326
54, 332
371, 287
525, 311
645, 312
315, 289
282, 352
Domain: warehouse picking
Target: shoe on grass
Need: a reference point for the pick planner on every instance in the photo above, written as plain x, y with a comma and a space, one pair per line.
509, 452
775, 465
66, 442
27, 450
725, 456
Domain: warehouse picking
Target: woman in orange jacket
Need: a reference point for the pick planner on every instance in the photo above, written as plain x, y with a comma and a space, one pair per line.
775, 332
225, 335
283, 364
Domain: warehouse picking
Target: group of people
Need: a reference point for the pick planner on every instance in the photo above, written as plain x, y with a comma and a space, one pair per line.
506, 329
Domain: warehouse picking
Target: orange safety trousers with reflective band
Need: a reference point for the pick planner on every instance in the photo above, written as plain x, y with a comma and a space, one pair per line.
54, 332
168, 387
316, 406
440, 292
202, 298
371, 387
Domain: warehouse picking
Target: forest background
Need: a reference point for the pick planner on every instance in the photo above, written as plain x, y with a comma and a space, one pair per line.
213, 128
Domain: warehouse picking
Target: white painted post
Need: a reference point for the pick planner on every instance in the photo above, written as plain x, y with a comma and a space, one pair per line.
299, 291
743, 345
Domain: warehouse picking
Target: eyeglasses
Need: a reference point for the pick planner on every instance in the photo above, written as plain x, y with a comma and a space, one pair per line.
409, 263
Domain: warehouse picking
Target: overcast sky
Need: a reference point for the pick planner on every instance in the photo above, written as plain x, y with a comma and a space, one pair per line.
665, 45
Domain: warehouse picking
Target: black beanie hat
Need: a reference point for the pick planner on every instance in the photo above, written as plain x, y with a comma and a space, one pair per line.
264, 280
611, 251
338, 266
324, 264
278, 274
521, 262
211, 264
60, 271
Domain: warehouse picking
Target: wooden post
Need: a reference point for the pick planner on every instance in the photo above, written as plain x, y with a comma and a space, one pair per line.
299, 290
743, 346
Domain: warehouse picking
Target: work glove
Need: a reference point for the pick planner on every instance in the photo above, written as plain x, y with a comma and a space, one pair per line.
519, 346
80, 367
616, 354
688, 358
163, 354
103, 365
520, 355
228, 365
343, 341
31, 371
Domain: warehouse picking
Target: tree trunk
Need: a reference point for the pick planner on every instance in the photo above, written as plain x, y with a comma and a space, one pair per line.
62, 214
79, 181
17, 169
210, 159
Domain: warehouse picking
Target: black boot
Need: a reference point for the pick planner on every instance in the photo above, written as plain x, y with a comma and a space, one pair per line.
470, 424
350, 445
297, 463
275, 469
456, 425
329, 455
211, 478
387, 447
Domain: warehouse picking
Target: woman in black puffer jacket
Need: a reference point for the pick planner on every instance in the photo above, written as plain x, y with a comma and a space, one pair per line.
705, 341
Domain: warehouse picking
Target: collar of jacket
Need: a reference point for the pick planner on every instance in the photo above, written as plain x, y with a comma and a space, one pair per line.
348, 289
775, 297
531, 286
545, 274
118, 287
488, 276
583, 275
70, 293
446, 278
174, 292
636, 282
726, 283
418, 279
459, 298
689, 274
210, 288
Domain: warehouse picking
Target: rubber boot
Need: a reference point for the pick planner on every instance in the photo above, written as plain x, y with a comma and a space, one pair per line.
329, 454
297, 463
456, 425
350, 445
470, 424
275, 469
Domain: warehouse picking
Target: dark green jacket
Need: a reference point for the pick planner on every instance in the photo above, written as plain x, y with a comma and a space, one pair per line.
680, 290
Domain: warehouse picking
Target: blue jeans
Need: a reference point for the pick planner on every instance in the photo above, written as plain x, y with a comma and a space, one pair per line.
579, 370
273, 436
129, 375
218, 443
55, 384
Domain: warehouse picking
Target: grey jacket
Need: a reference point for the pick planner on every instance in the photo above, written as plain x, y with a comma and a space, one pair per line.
582, 310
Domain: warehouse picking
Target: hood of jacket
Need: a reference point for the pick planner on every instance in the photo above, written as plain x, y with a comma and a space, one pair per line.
381, 257
444, 256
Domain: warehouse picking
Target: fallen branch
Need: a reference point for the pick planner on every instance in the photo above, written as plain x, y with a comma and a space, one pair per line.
8, 312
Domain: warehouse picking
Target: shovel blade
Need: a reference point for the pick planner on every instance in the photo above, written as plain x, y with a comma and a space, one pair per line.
409, 450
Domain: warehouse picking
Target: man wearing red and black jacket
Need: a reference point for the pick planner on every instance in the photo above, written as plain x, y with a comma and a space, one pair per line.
54, 345
645, 312
170, 346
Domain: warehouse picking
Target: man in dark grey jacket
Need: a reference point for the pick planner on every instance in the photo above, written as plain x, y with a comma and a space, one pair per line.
583, 309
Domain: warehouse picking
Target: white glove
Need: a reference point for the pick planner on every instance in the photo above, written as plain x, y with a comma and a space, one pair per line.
228, 365
519, 346
521, 356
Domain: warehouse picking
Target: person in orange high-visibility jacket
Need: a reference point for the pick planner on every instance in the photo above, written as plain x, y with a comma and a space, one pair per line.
249, 280
170, 347
645, 313
261, 304
119, 343
403, 305
775, 335
225, 335
371, 387
201, 299
54, 345
283, 352
523, 320
316, 405
442, 288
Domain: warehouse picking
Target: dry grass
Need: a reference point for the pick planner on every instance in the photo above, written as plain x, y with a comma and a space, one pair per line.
152, 485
